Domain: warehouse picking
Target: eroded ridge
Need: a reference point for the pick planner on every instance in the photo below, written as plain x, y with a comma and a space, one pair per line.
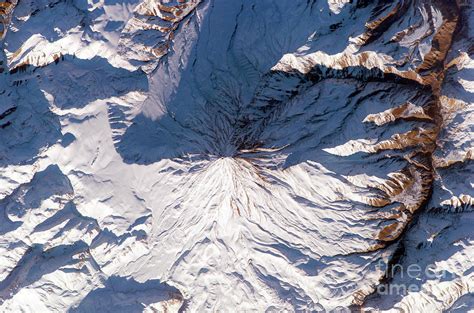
6, 11
148, 36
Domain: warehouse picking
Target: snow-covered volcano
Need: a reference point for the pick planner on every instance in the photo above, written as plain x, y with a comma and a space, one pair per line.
236, 156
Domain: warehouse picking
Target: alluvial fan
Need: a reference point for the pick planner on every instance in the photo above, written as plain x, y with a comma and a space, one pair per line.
234, 156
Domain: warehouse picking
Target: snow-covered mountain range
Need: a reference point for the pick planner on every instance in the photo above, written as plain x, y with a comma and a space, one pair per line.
236, 156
